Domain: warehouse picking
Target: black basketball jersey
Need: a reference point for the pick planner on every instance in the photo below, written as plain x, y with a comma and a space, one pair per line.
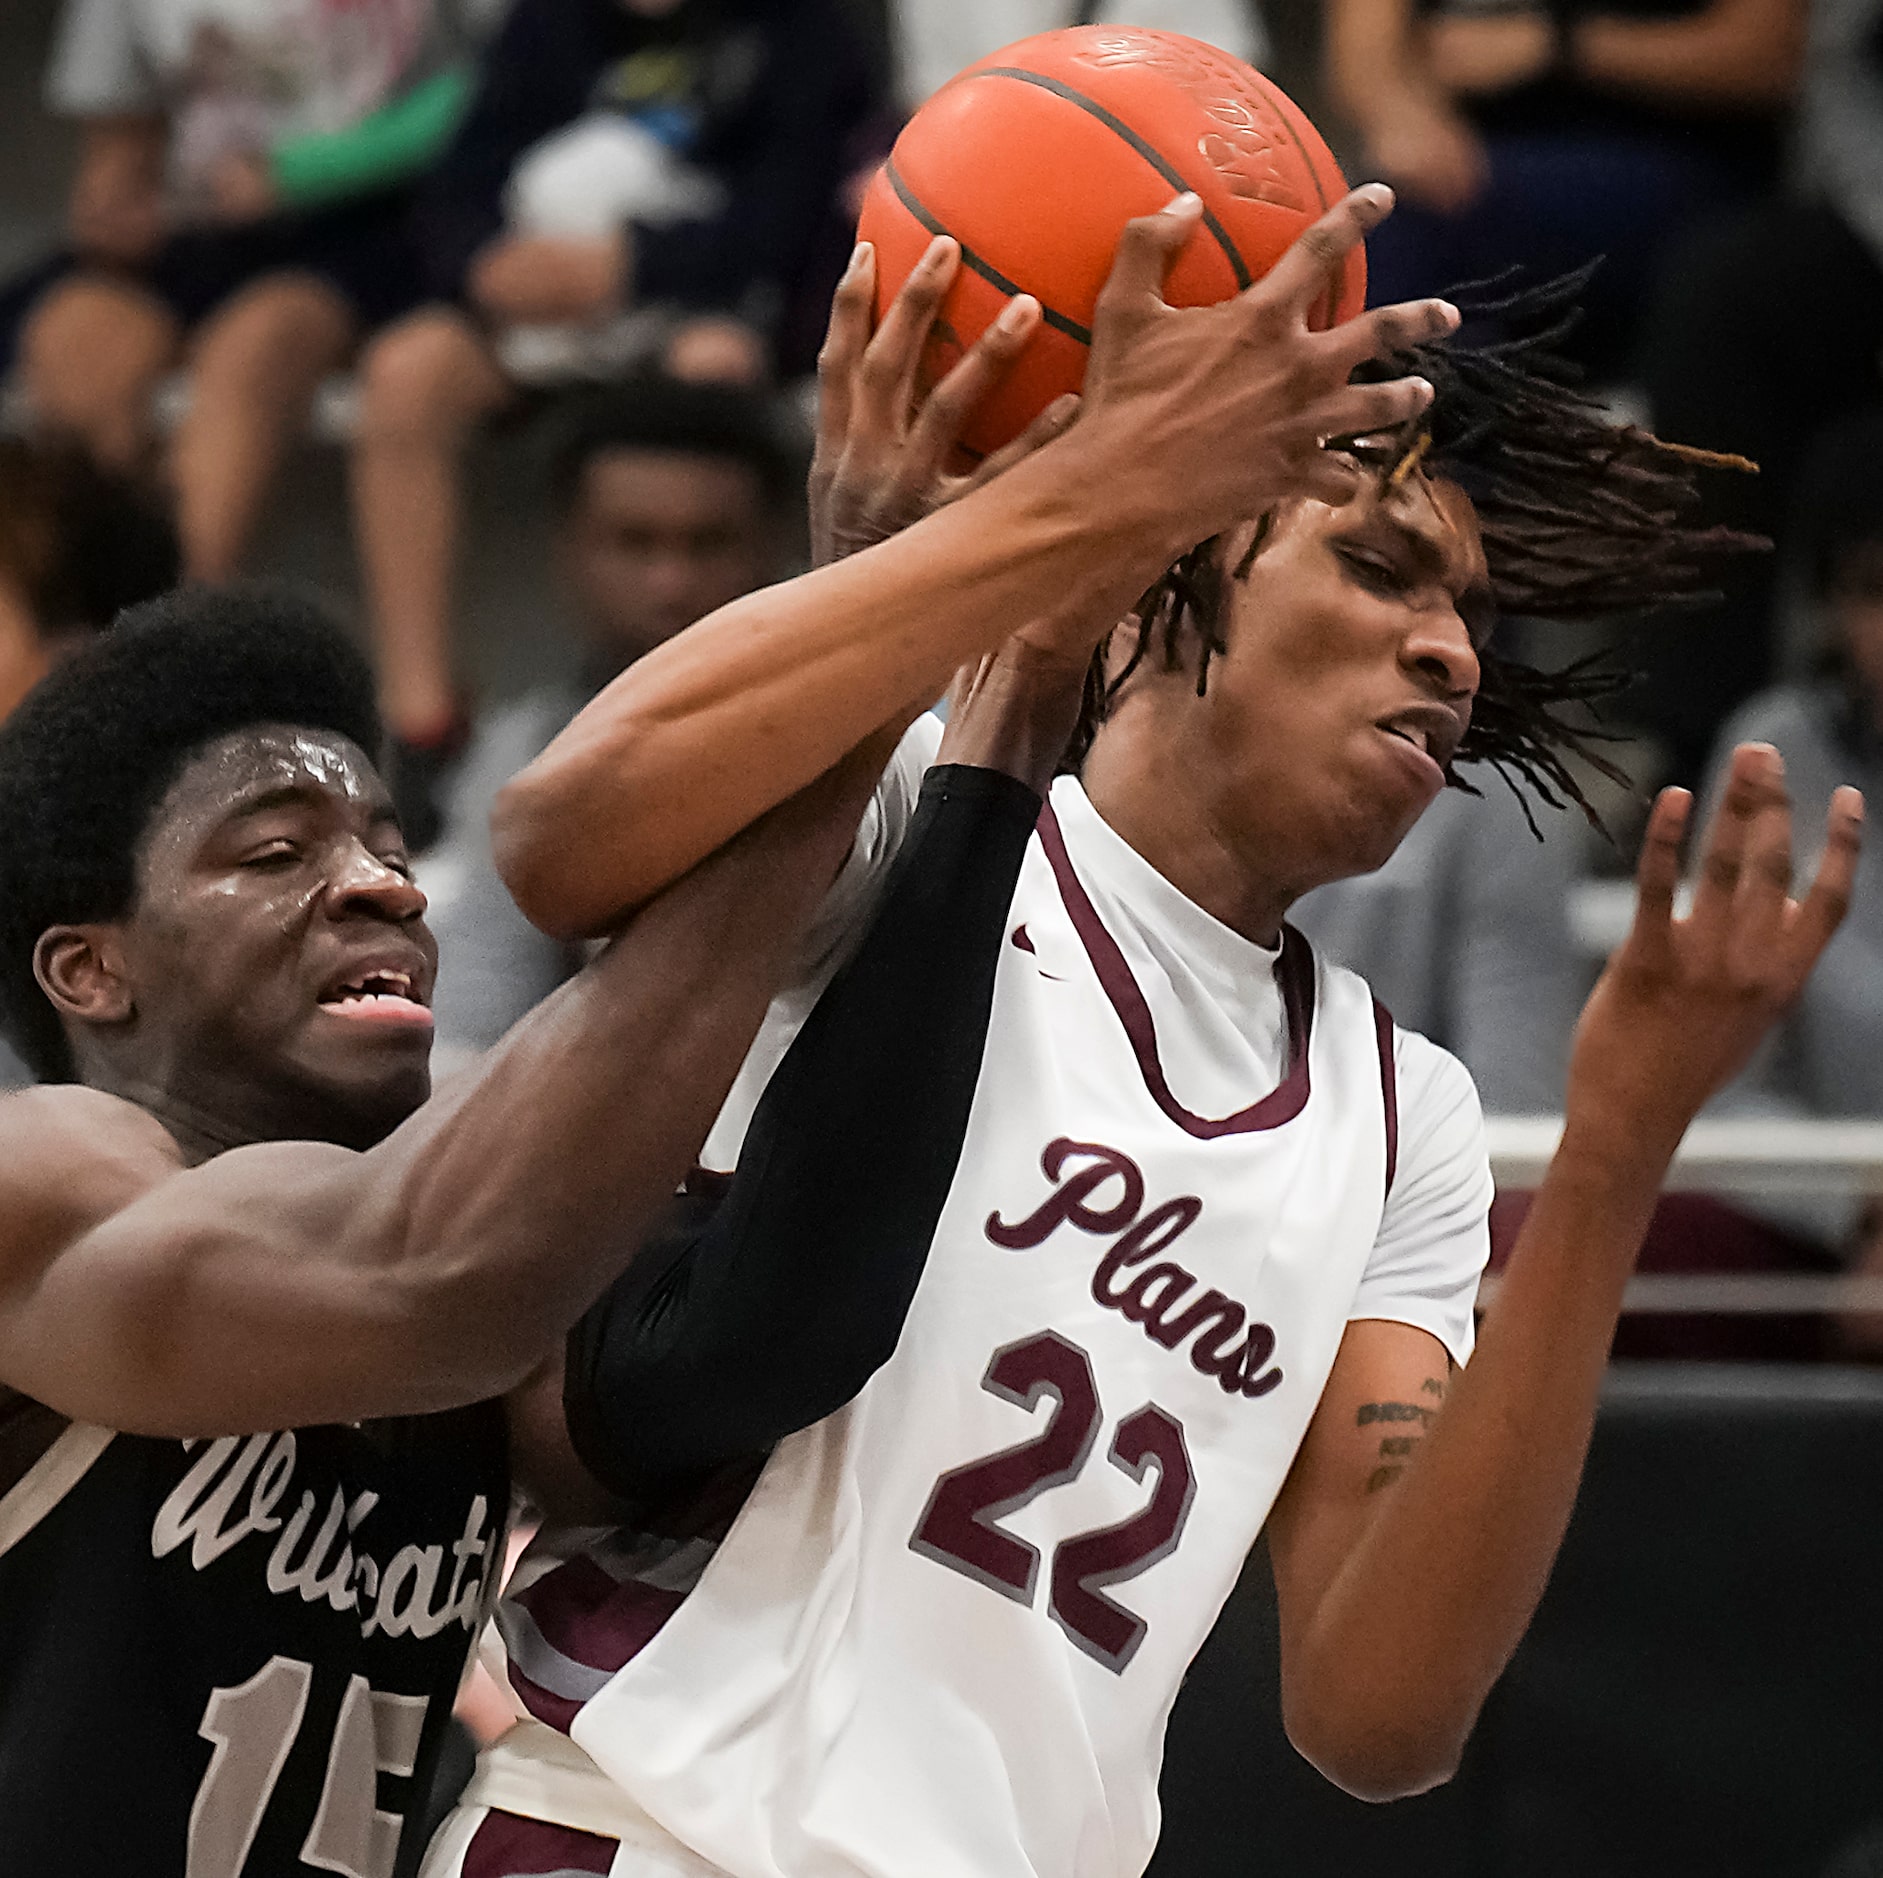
235, 1658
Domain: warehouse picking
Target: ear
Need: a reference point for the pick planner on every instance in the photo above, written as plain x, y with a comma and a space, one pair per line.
82, 970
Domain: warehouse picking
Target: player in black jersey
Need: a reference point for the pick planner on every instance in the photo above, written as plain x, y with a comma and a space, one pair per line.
237, 1231
234, 1231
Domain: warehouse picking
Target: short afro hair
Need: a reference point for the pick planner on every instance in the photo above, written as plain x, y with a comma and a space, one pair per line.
89, 755
655, 412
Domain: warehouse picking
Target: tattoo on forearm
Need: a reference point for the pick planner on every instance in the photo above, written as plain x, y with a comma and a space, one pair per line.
1396, 1450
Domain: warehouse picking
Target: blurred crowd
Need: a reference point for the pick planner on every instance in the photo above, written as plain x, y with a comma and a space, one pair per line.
613, 226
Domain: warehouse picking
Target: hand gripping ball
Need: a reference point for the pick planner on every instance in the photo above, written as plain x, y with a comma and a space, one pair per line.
1035, 159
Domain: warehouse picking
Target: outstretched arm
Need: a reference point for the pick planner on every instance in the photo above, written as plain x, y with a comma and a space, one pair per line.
292, 1283
1403, 1598
1192, 419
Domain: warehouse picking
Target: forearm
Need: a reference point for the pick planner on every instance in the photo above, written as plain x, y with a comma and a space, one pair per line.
709, 730
1717, 58
1430, 1603
786, 1299
579, 1126
287, 1284
1014, 710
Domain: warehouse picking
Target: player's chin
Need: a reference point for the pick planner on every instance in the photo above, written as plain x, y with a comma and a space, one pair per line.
379, 1074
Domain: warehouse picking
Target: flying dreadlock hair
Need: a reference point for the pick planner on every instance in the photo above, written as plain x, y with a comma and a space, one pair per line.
1581, 518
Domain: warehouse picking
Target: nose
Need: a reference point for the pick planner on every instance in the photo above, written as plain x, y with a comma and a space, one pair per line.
1438, 647
361, 882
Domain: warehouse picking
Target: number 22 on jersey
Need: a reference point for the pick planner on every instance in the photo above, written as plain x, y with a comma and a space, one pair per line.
960, 1527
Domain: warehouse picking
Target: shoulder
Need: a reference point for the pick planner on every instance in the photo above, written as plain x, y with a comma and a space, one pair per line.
1442, 1173
1434, 1234
70, 1157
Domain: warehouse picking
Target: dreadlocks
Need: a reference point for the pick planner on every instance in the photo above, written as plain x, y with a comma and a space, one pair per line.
1582, 519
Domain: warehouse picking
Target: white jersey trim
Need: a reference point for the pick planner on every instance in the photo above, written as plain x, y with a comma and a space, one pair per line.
49, 1480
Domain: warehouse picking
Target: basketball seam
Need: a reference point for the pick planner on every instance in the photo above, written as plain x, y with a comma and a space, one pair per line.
1168, 171
976, 263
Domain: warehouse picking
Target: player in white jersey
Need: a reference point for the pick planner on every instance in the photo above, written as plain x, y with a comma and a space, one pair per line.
1209, 1259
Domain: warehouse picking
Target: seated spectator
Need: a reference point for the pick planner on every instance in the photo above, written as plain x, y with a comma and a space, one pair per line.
1766, 324
633, 173
1464, 936
242, 195
671, 500
934, 39
1550, 135
77, 546
1826, 1059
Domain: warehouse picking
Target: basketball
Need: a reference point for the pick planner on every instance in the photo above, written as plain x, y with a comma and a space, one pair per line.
1035, 159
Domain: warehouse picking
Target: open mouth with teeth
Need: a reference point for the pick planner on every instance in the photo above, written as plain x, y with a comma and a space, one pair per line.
384, 995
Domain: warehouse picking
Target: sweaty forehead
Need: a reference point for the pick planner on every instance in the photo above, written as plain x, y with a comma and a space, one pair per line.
267, 763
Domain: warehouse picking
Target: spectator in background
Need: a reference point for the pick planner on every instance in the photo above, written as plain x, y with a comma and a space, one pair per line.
671, 499
242, 192
77, 545
934, 39
1464, 935
1767, 324
1551, 134
673, 159
1826, 1059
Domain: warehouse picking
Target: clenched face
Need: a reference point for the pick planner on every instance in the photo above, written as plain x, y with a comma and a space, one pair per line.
279, 964
1328, 725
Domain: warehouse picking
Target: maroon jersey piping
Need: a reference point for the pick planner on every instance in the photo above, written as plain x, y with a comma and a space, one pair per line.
1389, 1088
1294, 972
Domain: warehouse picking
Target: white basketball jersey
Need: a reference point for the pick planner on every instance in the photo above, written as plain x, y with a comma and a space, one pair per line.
942, 1636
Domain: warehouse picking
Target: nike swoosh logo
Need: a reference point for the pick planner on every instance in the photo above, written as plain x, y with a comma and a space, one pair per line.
1023, 941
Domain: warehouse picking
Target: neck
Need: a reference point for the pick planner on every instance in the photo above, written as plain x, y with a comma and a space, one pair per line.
206, 1119
202, 1130
1146, 782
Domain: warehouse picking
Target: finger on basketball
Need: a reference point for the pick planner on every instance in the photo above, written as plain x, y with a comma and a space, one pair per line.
985, 363
894, 355
845, 337
1389, 330
1823, 908
1747, 790
1052, 422
1300, 279
1145, 254
1657, 874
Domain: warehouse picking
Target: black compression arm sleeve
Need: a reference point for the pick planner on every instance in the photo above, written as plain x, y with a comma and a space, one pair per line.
768, 1298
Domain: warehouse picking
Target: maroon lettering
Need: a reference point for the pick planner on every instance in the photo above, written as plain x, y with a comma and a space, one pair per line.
1247, 1374
1157, 1229
1159, 1297
1152, 1297
1148, 1442
1069, 1205
960, 1527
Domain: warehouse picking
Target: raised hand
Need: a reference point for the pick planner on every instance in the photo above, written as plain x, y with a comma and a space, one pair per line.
882, 447
1684, 1002
1226, 407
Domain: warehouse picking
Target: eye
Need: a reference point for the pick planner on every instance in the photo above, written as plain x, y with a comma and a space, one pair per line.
280, 852
1372, 569
397, 861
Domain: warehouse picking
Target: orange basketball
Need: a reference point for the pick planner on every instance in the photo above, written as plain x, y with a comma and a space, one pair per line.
1035, 159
